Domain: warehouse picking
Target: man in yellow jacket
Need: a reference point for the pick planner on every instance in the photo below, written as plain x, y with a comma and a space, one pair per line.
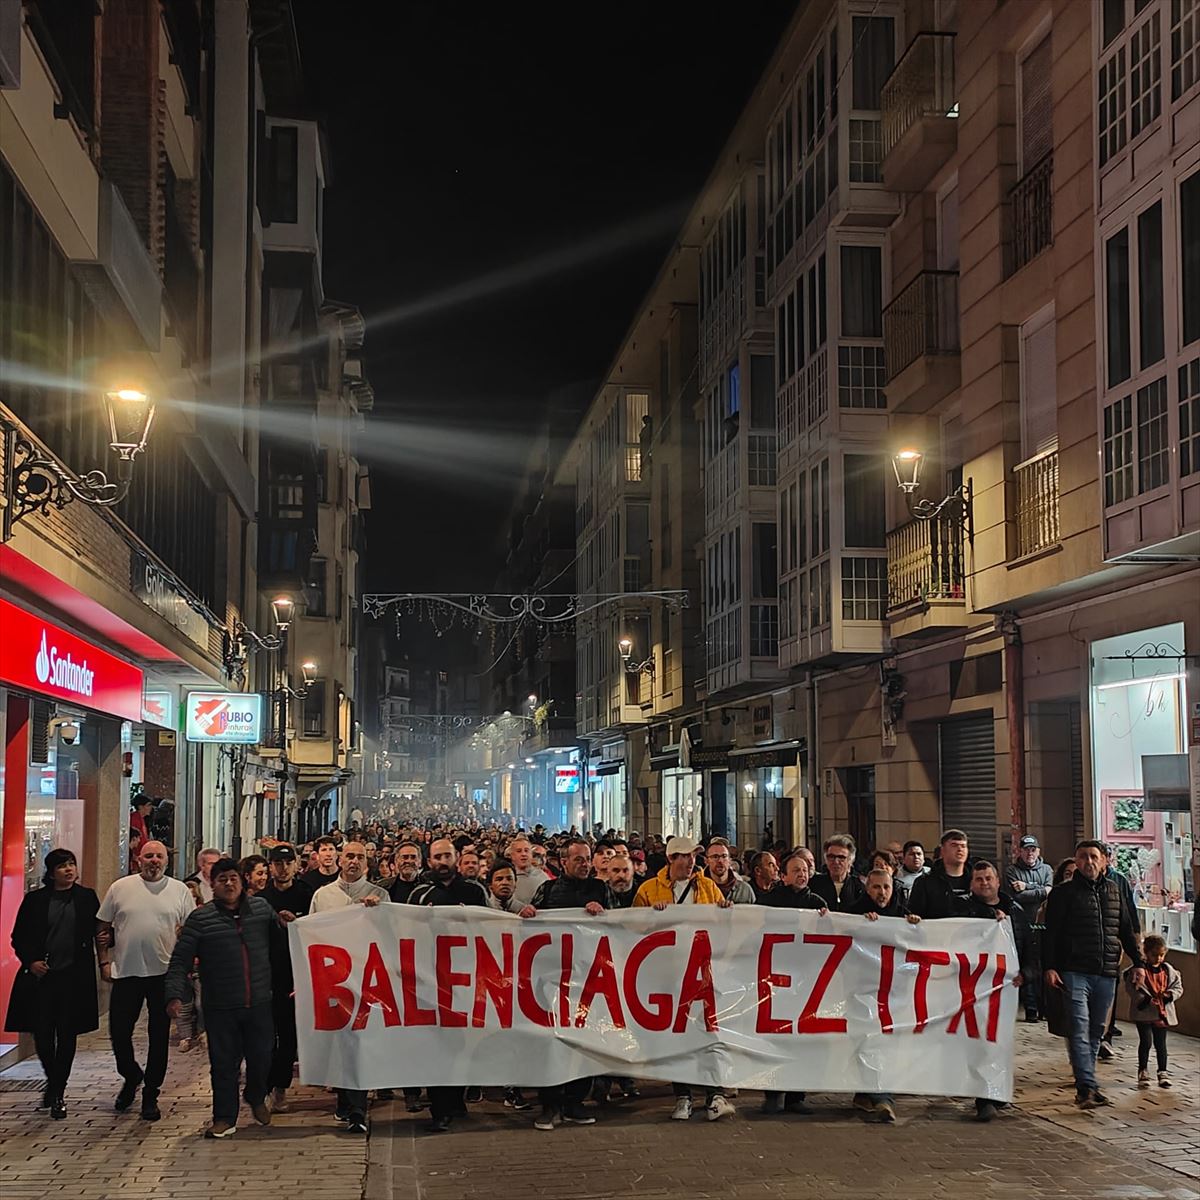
680, 883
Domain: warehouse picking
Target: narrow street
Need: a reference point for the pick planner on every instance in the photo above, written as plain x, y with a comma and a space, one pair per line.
1144, 1148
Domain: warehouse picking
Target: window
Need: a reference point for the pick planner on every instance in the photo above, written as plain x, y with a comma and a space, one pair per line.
637, 411
1111, 118
863, 500
1185, 46
734, 391
664, 504
1116, 256
314, 709
1189, 250
1150, 286
762, 392
862, 292
1145, 76
1118, 451
1037, 134
764, 573
1154, 455
1114, 19
314, 587
764, 631
864, 589
861, 375
1189, 417
285, 174
819, 509
286, 498
866, 151
1039, 395
874, 57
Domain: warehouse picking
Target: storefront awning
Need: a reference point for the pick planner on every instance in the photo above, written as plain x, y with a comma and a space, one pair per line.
780, 754
664, 760
605, 768
709, 758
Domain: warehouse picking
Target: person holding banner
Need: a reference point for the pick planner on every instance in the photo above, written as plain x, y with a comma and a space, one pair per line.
680, 883
945, 891
576, 887
838, 886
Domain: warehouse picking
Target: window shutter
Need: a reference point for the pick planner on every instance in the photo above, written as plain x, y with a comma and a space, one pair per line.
1039, 397
1037, 134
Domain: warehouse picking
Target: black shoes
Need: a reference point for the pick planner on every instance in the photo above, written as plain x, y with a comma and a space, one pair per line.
128, 1092
438, 1125
1032, 1016
58, 1109
985, 1110
356, 1124
47, 1096
474, 1095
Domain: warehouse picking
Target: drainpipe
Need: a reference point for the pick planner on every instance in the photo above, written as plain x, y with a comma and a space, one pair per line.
813, 772
1014, 690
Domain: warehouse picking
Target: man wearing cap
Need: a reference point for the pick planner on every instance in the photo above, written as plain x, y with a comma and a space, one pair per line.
680, 883
1028, 881
285, 893
229, 937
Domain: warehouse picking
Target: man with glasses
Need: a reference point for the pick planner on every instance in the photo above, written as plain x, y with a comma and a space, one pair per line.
720, 870
838, 886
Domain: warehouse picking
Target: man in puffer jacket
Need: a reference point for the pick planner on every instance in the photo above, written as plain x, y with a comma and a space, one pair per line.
229, 937
1087, 924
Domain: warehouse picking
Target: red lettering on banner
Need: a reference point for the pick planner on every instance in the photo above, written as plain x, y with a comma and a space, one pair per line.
809, 1021
887, 970
926, 960
494, 982
993, 1024
329, 968
526, 1001
564, 980
601, 981
768, 980
967, 981
414, 1014
448, 979
657, 1017
376, 990
697, 985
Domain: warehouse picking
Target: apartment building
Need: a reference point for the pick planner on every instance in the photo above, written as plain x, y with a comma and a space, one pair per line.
113, 183
638, 521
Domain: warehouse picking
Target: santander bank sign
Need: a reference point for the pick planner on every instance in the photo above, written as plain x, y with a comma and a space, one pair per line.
45, 659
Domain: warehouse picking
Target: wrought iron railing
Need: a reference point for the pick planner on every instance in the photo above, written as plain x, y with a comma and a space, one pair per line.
1032, 203
921, 320
922, 85
1037, 503
925, 562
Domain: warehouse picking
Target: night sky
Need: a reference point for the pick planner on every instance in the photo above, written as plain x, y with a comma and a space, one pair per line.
506, 182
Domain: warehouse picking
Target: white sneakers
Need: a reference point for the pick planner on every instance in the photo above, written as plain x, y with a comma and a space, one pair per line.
720, 1107
1164, 1079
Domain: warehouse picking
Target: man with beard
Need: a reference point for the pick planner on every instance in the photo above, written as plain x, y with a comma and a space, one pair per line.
720, 870
574, 888
285, 894
407, 863
620, 880
443, 885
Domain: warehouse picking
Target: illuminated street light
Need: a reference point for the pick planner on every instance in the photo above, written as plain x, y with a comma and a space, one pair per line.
957, 505
309, 669
283, 608
907, 465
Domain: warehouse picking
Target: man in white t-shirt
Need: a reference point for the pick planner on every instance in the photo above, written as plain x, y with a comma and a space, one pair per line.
139, 920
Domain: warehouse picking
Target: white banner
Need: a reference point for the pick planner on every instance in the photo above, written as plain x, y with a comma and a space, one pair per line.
745, 997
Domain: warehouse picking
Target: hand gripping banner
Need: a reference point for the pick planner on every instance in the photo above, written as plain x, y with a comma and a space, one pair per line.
745, 997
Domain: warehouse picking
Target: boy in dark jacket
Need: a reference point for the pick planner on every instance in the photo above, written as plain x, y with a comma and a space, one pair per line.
230, 939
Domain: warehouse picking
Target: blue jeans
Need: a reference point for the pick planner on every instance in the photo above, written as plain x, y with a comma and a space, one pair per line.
1089, 998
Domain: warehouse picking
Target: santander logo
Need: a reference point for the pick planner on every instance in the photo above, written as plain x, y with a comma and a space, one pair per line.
65, 672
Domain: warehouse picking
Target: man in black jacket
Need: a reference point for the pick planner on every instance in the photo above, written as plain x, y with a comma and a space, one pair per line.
230, 938
946, 890
443, 885
1087, 924
837, 885
574, 888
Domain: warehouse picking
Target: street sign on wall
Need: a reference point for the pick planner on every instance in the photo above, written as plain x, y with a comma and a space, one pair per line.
223, 718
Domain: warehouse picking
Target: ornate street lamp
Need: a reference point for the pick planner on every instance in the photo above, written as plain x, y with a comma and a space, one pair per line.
34, 480
625, 646
958, 504
283, 608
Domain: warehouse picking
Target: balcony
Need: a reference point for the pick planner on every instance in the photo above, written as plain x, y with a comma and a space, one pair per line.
920, 335
1032, 206
919, 106
926, 577
1037, 504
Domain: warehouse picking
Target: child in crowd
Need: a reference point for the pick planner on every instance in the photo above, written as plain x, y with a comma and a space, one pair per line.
1153, 1008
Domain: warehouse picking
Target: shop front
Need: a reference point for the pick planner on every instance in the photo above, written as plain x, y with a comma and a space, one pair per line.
607, 803
682, 795
767, 788
66, 706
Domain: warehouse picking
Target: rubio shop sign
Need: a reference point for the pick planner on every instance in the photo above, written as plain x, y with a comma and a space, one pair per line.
224, 718
41, 657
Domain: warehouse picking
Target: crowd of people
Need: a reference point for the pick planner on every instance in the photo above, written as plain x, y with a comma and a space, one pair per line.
210, 952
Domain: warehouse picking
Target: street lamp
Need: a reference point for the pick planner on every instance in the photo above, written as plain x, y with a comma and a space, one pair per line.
34, 480
309, 670
283, 608
625, 645
957, 505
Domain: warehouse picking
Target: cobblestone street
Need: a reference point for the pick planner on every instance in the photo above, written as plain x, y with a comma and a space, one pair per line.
1046, 1148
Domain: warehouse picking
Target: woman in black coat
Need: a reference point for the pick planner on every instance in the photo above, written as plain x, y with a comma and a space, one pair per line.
54, 994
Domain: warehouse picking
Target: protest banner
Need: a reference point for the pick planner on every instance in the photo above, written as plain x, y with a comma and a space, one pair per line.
743, 997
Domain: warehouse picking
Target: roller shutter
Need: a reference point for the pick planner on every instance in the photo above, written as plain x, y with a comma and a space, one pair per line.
968, 762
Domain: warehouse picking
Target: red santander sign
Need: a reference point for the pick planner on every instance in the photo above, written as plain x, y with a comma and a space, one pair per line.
41, 657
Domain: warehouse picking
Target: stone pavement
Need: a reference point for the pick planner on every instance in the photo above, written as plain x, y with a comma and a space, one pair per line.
1145, 1148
